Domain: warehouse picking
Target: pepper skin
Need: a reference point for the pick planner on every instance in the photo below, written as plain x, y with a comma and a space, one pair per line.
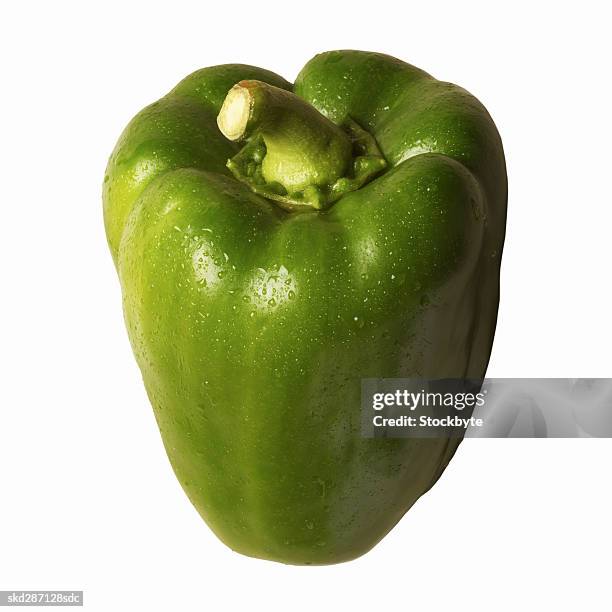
253, 326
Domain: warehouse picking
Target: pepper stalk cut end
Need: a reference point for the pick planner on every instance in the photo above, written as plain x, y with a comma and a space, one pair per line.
235, 113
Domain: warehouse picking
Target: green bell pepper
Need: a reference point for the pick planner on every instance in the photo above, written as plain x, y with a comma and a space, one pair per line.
275, 245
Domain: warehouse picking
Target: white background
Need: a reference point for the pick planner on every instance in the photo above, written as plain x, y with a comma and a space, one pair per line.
87, 497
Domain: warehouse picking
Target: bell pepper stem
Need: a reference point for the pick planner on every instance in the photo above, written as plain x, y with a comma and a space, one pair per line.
303, 148
293, 154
